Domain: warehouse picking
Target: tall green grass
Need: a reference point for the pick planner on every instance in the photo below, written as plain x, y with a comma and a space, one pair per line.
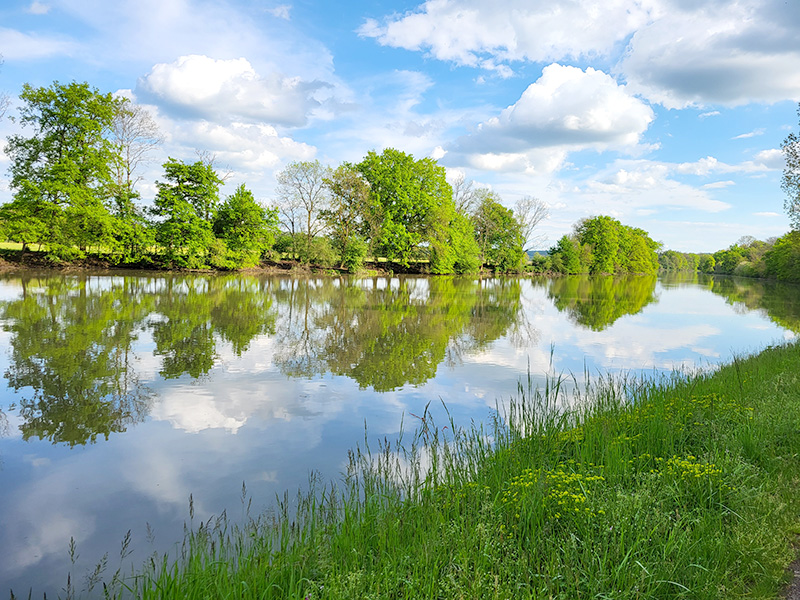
682, 486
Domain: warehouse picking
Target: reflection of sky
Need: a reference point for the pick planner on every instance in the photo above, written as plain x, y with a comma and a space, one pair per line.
246, 421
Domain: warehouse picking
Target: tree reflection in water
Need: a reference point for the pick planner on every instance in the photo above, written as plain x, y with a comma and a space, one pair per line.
386, 333
596, 302
71, 357
74, 338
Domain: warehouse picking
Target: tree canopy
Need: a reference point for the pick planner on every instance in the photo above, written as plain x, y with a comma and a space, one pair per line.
61, 173
791, 176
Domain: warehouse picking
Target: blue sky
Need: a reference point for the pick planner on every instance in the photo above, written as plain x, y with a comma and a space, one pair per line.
666, 114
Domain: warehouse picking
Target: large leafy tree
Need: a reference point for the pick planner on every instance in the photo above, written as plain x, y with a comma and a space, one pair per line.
602, 235
499, 235
61, 172
185, 206
246, 227
566, 255
603, 245
791, 176
416, 203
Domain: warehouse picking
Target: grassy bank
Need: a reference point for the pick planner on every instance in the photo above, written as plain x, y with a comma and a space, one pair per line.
684, 487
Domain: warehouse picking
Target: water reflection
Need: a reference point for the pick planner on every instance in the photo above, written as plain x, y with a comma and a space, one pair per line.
777, 300
191, 315
386, 334
74, 339
264, 379
597, 302
71, 350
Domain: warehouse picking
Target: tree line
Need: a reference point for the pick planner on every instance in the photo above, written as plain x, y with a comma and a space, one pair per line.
774, 258
74, 178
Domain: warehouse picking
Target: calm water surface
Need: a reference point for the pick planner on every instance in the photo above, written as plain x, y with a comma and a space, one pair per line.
124, 394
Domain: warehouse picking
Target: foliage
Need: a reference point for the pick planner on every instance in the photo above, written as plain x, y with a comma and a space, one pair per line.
671, 260
791, 176
465, 248
415, 203
565, 256
707, 264
602, 236
602, 245
246, 227
351, 218
499, 235
782, 261
61, 174
186, 204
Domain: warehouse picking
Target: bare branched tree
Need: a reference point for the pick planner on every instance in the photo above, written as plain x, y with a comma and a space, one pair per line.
5, 99
464, 195
302, 200
209, 158
135, 135
530, 212
790, 182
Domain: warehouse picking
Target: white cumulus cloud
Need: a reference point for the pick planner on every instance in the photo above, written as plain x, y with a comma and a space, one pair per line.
220, 90
717, 51
566, 109
674, 52
482, 34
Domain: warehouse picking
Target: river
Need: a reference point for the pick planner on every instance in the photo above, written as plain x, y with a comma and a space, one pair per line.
124, 393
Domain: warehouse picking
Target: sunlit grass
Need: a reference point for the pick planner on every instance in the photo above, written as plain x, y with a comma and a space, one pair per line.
678, 487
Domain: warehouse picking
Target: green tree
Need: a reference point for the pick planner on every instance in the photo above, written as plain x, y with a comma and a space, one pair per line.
186, 205
351, 217
637, 252
602, 235
416, 203
499, 235
671, 260
791, 176
726, 261
783, 259
246, 227
61, 173
706, 264
566, 256
465, 247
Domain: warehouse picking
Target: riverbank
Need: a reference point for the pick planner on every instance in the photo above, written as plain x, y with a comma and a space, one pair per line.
683, 487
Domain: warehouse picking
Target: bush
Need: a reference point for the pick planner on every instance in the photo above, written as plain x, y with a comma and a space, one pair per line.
354, 254
320, 253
